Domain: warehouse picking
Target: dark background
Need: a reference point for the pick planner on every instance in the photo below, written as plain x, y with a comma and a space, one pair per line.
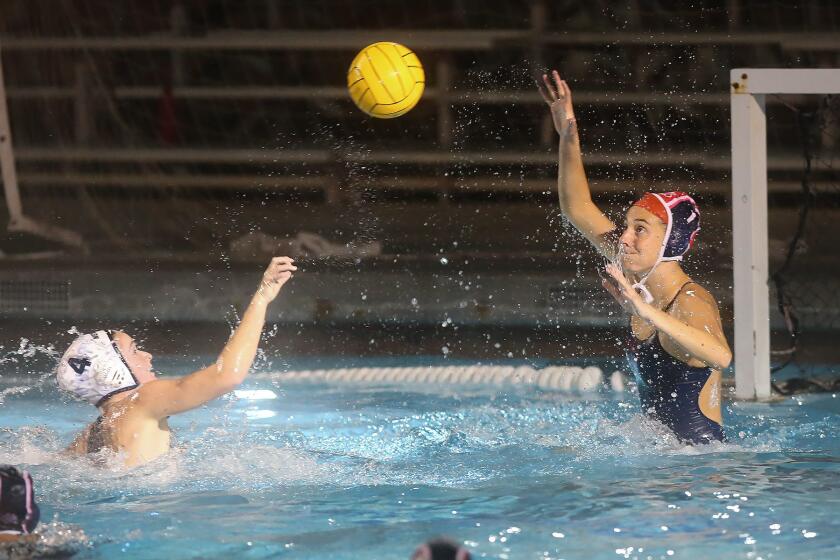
163, 132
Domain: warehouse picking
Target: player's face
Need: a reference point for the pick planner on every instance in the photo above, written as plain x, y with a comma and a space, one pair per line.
641, 240
139, 362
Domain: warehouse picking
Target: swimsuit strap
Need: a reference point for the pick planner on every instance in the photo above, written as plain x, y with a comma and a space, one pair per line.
667, 308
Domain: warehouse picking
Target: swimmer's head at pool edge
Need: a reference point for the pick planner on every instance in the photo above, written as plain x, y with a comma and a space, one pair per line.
19, 514
441, 549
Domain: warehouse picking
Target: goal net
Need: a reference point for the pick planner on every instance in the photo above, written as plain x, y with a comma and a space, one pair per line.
804, 258
786, 181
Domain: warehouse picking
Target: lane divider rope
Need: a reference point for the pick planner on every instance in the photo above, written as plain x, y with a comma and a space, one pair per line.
554, 378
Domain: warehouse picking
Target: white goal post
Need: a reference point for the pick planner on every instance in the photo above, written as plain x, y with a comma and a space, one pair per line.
18, 221
748, 88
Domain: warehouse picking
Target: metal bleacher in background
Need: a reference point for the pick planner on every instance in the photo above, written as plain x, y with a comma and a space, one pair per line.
89, 93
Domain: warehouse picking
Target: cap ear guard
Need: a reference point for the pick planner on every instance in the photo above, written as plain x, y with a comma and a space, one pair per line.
33, 513
19, 514
685, 219
109, 337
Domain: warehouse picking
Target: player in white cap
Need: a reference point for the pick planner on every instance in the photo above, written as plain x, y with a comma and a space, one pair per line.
110, 372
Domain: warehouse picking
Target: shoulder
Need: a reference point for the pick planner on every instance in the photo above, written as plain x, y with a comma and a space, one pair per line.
158, 384
155, 398
694, 300
695, 292
138, 404
148, 393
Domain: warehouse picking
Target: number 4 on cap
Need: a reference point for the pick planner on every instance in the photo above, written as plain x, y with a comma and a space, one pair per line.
79, 365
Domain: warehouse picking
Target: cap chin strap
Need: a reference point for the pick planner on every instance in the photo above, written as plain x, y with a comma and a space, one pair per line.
106, 338
642, 290
640, 286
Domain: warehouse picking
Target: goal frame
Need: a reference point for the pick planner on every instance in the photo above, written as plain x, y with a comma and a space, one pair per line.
748, 90
18, 220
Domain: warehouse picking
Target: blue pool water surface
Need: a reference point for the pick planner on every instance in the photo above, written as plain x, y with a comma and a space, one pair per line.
353, 471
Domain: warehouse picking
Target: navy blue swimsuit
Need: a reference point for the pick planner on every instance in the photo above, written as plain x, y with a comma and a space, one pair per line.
670, 389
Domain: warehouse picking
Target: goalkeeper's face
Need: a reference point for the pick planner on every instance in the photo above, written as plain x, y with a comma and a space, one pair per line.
641, 241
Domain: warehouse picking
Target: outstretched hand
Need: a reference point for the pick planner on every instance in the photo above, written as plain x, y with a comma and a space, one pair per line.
558, 97
620, 288
279, 271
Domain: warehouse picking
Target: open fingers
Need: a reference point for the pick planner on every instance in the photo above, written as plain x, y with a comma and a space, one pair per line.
559, 84
610, 288
567, 93
544, 93
614, 271
618, 275
551, 96
615, 292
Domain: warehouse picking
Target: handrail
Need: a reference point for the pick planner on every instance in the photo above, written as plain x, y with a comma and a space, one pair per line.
332, 93
421, 39
207, 181
408, 157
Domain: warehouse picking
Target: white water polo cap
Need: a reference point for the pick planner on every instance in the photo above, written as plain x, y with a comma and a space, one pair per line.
93, 369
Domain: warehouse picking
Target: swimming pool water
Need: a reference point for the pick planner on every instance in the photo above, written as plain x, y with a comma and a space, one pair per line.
355, 471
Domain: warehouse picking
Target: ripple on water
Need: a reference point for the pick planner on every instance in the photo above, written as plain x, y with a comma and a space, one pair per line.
382, 460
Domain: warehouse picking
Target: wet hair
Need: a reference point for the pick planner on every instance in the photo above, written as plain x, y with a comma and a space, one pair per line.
441, 549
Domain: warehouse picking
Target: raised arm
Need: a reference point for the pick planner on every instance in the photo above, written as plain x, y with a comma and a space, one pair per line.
572, 186
164, 397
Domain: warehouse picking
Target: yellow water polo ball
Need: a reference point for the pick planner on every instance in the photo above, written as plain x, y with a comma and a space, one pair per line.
386, 80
